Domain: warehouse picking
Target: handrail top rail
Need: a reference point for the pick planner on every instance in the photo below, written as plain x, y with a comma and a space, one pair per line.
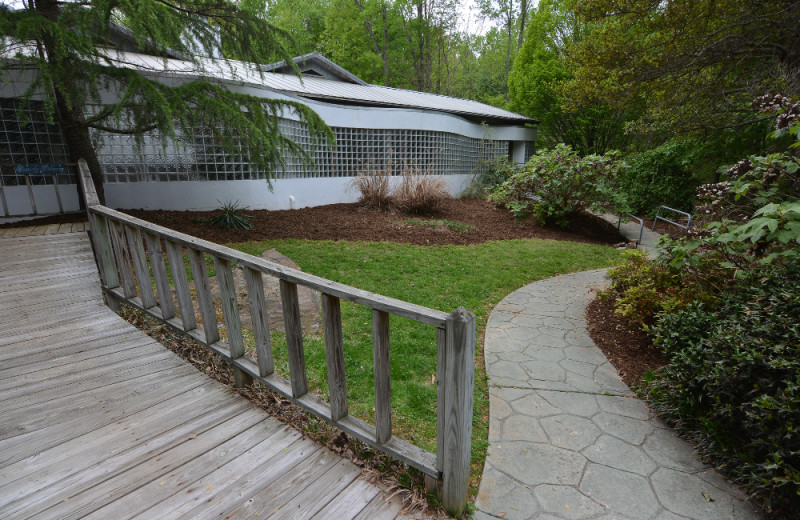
89, 190
340, 290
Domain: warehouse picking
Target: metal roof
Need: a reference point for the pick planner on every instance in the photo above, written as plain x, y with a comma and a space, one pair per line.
376, 95
316, 60
324, 89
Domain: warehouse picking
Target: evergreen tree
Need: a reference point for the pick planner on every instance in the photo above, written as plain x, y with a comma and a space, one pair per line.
65, 47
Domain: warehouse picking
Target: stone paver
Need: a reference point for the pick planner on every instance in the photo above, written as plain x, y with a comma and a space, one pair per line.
567, 438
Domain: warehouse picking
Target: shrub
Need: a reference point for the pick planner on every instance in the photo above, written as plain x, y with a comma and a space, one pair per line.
420, 193
374, 189
490, 174
232, 217
660, 177
733, 382
557, 184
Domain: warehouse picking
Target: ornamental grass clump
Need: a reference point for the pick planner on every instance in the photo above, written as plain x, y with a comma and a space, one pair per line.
374, 189
420, 193
417, 193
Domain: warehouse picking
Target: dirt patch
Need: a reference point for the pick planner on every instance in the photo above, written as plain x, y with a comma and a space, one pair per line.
629, 349
355, 223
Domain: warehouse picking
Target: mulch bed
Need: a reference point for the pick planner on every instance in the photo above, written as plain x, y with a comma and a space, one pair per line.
354, 222
628, 348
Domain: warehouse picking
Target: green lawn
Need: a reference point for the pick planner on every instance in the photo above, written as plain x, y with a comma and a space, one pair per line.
476, 277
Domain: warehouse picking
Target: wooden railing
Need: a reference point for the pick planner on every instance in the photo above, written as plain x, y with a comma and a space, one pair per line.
125, 267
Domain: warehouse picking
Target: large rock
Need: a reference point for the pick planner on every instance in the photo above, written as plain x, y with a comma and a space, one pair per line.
310, 313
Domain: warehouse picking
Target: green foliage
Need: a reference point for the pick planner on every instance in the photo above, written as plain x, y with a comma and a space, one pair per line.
232, 217
685, 65
662, 176
540, 72
452, 225
62, 45
557, 184
643, 289
733, 383
490, 175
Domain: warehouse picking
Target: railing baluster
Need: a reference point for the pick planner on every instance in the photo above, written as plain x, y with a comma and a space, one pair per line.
204, 299
123, 258
233, 323
104, 251
334, 350
134, 237
178, 269
156, 255
258, 314
459, 386
294, 338
441, 371
117, 241
383, 392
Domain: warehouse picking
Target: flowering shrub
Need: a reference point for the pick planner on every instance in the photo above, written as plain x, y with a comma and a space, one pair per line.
557, 184
724, 305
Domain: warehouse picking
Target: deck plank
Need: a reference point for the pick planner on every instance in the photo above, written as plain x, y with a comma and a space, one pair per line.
101, 421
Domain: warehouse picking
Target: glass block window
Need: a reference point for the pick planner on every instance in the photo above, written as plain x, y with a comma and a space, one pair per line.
198, 156
26, 138
530, 150
360, 150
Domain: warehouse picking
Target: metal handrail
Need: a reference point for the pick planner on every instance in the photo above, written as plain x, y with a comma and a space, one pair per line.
659, 217
641, 225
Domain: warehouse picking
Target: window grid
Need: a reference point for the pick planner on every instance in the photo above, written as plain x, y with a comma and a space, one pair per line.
27, 138
199, 156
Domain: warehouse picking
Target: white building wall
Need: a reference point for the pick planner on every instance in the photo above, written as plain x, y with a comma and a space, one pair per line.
210, 195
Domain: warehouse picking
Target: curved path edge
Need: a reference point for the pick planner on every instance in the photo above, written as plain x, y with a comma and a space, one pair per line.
567, 438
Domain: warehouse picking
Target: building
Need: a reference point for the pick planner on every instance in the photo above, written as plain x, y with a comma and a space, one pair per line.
377, 128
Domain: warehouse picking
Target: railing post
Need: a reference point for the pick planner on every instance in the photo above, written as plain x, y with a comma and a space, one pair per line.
99, 234
459, 383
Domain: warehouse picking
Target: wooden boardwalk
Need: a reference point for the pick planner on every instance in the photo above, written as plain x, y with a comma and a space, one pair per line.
97, 420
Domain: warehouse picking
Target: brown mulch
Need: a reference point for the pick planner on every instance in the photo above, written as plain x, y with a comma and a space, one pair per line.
665, 228
628, 348
354, 222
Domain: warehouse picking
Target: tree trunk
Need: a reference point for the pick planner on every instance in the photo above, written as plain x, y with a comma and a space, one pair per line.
69, 110
523, 15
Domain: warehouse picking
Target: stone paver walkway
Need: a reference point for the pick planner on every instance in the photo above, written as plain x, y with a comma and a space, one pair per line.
567, 439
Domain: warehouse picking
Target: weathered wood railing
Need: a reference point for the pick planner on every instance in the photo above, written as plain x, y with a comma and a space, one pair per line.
126, 276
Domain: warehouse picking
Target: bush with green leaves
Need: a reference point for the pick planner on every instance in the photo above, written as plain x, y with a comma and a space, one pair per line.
556, 184
232, 216
733, 382
489, 175
643, 289
660, 177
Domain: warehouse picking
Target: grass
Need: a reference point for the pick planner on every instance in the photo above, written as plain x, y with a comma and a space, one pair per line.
442, 277
452, 225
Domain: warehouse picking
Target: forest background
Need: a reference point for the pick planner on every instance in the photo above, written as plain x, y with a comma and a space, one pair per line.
670, 84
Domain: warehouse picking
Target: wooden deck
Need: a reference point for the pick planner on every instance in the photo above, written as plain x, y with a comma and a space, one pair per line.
97, 420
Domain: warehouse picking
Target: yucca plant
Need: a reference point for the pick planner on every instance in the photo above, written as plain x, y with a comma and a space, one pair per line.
232, 217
